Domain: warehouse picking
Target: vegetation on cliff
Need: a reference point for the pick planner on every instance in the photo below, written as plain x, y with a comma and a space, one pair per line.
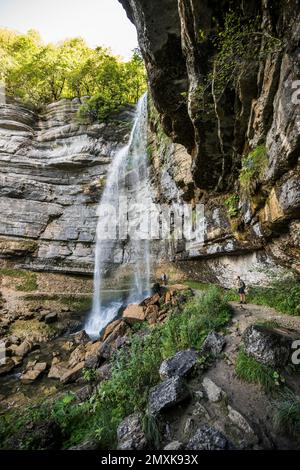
38, 73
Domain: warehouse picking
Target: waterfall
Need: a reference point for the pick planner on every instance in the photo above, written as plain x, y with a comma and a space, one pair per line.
127, 178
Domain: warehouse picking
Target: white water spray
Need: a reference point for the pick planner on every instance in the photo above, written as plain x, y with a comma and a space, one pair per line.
127, 177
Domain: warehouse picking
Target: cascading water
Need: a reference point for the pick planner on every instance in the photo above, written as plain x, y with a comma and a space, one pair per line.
127, 179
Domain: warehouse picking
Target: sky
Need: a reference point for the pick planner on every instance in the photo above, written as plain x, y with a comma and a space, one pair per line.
99, 22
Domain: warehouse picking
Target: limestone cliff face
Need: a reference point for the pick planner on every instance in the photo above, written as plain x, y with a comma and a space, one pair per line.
251, 228
52, 172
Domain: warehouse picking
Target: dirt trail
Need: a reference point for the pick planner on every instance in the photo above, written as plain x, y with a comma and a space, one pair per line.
248, 399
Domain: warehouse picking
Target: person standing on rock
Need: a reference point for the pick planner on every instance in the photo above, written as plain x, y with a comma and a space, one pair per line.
241, 290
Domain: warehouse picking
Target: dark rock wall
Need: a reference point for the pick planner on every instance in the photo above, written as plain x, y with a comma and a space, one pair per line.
261, 107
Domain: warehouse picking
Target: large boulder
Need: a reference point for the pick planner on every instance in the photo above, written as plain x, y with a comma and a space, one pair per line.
57, 369
208, 438
130, 433
134, 313
23, 349
117, 328
78, 355
269, 346
73, 374
33, 372
153, 300
167, 394
213, 392
213, 344
179, 365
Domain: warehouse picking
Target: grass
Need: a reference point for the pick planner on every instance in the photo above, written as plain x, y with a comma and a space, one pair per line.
282, 295
28, 280
30, 328
287, 415
196, 285
134, 372
268, 324
75, 303
252, 371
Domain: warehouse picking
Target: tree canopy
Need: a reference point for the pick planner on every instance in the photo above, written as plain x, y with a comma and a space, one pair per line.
38, 73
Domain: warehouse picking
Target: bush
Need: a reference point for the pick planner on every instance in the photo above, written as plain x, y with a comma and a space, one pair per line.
199, 317
232, 203
287, 415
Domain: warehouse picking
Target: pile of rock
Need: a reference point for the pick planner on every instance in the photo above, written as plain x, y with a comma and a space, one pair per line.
154, 309
204, 430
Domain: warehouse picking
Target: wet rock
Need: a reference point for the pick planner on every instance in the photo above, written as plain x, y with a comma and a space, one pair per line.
6, 365
33, 372
270, 347
167, 394
213, 392
134, 313
58, 370
153, 300
73, 374
181, 364
78, 355
130, 433
92, 355
81, 337
51, 318
175, 445
117, 327
213, 344
208, 438
23, 349
115, 340
68, 346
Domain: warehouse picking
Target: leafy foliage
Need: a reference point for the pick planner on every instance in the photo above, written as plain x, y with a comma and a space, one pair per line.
232, 204
253, 166
38, 73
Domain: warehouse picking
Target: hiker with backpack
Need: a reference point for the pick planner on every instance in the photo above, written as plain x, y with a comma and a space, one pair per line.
241, 290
